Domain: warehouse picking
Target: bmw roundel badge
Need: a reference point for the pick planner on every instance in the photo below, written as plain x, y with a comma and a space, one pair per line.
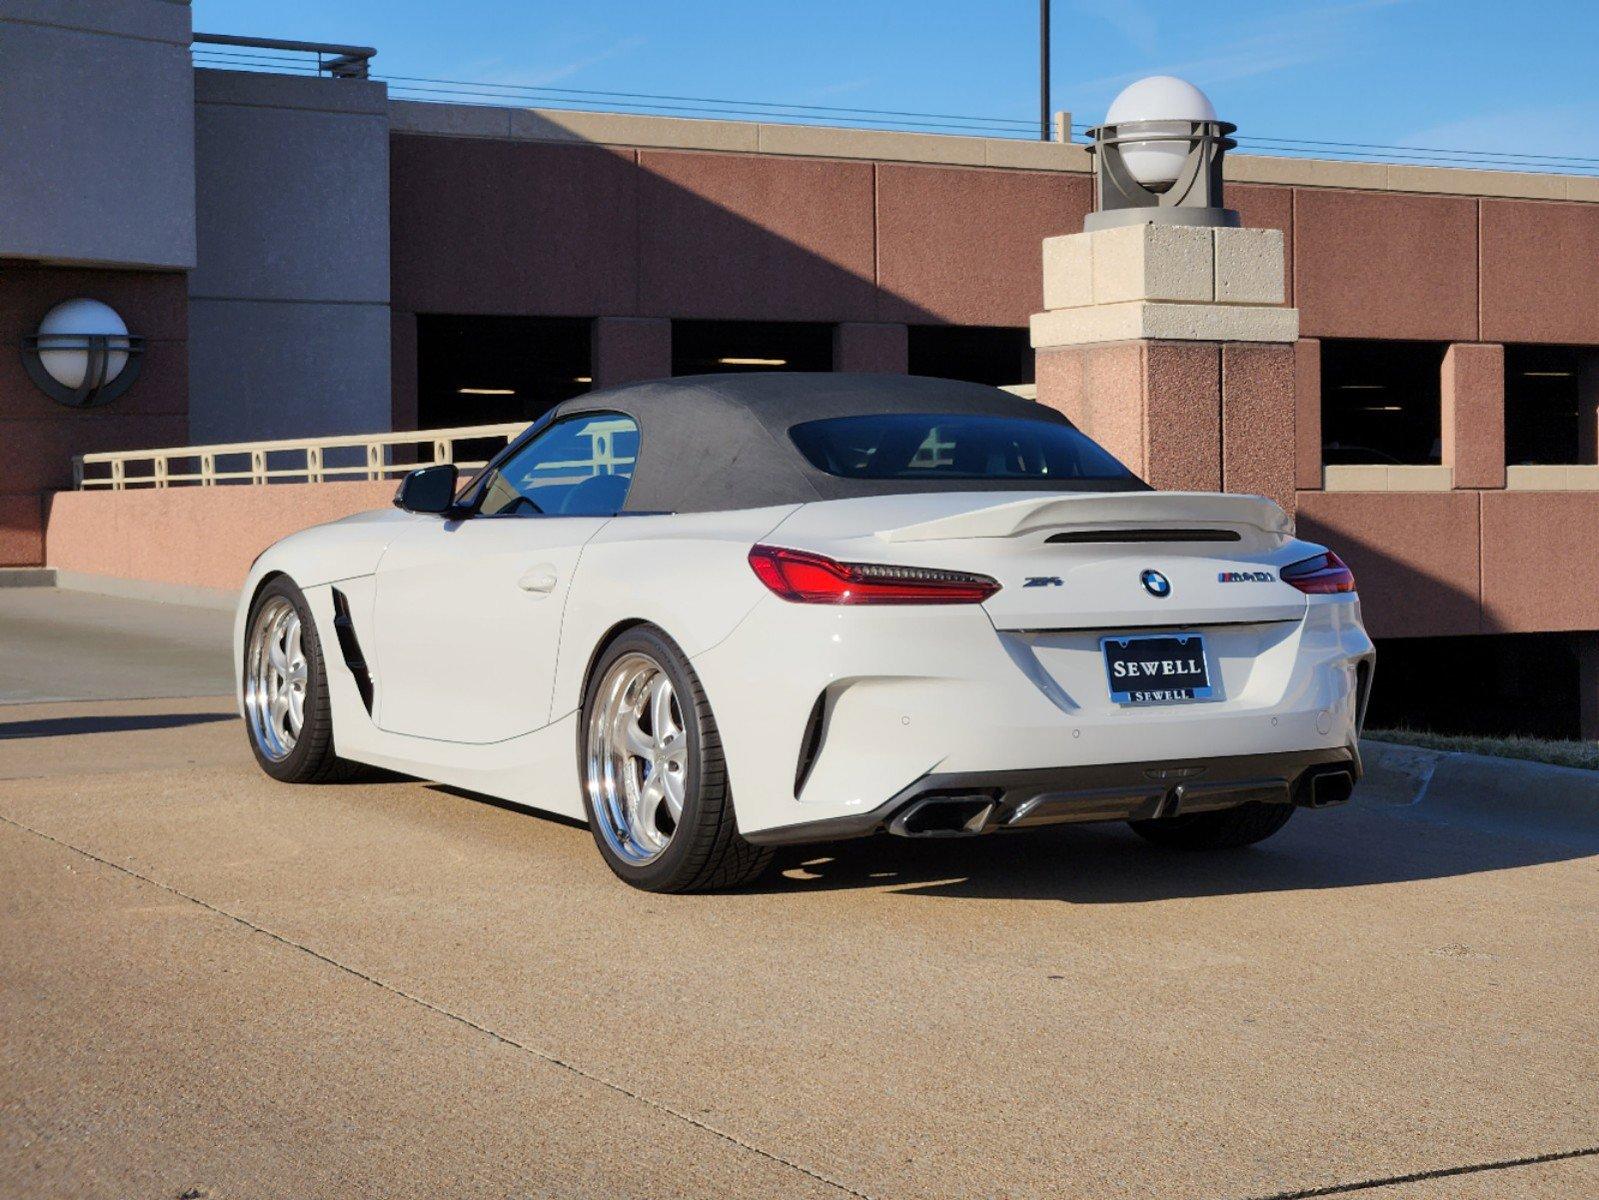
1156, 584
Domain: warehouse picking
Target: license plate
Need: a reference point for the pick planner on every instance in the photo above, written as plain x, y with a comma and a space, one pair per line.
1165, 668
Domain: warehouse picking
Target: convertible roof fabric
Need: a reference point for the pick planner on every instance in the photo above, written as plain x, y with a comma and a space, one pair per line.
709, 443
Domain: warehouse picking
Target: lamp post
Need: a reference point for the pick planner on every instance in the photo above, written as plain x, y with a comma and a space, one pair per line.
1158, 158
82, 356
1043, 70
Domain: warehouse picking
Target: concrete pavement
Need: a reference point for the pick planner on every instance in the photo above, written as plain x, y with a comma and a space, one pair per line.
58, 644
213, 982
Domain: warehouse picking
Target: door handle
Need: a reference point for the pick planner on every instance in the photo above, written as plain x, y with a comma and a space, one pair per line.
539, 580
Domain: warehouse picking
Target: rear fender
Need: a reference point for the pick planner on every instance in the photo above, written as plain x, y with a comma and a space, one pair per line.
687, 574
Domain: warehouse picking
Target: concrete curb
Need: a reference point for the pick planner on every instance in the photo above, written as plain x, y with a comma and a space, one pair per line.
1500, 795
225, 599
11, 577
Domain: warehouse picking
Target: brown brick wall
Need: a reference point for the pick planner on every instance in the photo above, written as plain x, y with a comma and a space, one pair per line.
38, 437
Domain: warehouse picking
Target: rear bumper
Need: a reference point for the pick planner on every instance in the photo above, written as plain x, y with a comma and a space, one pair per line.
829, 713
967, 804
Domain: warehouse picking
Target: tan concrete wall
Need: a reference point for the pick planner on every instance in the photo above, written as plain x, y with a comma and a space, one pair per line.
192, 537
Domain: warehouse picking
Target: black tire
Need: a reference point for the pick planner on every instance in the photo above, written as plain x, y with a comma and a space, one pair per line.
705, 851
311, 759
1225, 829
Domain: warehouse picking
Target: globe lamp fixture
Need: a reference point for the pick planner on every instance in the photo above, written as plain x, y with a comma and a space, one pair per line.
1158, 156
83, 355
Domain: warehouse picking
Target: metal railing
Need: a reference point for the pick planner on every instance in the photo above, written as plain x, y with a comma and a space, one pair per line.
255, 53
368, 456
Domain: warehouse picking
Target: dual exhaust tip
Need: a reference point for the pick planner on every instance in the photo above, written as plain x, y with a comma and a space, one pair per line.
1324, 787
967, 814
945, 816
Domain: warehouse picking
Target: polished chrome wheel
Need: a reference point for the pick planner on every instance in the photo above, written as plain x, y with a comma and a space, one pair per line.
637, 759
275, 678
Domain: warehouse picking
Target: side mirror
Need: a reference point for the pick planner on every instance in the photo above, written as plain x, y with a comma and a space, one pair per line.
427, 489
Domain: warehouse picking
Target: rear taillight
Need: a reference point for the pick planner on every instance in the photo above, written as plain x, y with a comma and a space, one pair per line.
813, 579
1320, 576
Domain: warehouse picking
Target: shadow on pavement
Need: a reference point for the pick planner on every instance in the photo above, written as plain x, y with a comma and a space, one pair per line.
48, 727
1108, 864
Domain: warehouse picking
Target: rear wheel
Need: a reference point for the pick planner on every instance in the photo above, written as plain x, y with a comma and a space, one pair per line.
1225, 829
286, 710
654, 780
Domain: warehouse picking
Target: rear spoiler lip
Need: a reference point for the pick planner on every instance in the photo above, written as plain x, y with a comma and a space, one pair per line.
1108, 509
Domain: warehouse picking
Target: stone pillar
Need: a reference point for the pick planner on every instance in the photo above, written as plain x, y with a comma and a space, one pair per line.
1473, 391
1172, 346
630, 349
862, 346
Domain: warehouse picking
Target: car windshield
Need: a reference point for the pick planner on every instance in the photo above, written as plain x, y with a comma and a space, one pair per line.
938, 446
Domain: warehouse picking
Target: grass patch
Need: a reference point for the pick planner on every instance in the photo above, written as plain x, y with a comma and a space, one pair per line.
1584, 755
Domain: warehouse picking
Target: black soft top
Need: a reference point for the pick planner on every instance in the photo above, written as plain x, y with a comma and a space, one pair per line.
709, 443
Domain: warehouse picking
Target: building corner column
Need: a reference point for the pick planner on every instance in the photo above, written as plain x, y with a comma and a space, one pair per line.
629, 349
1172, 346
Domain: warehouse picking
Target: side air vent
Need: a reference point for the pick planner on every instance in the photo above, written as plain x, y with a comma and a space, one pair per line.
810, 743
1100, 537
344, 627
1362, 695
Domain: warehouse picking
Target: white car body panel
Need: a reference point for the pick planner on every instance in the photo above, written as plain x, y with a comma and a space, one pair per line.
685, 573
478, 682
466, 625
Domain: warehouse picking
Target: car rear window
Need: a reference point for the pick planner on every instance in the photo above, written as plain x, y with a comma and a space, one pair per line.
954, 446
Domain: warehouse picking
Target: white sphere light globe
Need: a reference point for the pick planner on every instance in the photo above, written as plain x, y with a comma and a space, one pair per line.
68, 364
1171, 101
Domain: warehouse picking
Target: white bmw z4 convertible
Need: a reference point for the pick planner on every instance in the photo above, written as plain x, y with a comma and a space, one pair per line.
716, 614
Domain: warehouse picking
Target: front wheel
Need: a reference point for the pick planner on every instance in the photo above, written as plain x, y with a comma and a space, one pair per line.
286, 710
654, 780
1225, 829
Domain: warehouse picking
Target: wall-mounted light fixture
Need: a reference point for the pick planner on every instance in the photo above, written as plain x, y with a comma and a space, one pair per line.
83, 355
1157, 158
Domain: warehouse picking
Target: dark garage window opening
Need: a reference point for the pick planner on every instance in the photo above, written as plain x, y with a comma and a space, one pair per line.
1381, 402
1501, 685
992, 354
489, 370
1541, 406
712, 347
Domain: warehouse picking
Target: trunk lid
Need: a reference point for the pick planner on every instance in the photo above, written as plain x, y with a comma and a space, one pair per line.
1079, 560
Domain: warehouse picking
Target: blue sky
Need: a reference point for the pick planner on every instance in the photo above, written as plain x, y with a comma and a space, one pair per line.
1472, 74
